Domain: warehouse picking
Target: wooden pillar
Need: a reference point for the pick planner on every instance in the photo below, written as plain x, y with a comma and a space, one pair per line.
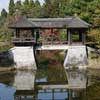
67, 34
36, 35
80, 36
83, 38
17, 33
69, 37
32, 33
14, 35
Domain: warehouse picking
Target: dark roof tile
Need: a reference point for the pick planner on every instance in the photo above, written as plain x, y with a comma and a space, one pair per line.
69, 22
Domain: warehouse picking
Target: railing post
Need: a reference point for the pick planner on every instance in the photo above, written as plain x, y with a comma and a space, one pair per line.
69, 37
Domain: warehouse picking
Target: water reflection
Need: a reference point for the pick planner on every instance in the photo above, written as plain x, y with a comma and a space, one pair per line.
24, 80
32, 85
77, 79
6, 92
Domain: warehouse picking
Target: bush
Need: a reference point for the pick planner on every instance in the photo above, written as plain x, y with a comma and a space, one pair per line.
93, 36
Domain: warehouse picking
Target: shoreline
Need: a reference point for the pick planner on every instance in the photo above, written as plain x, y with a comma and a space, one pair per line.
7, 69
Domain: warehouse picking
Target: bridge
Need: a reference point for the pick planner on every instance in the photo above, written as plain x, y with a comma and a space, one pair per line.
33, 34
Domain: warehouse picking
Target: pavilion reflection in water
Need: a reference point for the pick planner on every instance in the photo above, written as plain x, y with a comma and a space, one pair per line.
41, 89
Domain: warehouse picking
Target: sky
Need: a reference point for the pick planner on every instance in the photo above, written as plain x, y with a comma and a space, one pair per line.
5, 3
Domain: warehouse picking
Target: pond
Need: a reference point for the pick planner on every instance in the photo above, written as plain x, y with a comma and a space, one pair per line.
47, 85
50, 82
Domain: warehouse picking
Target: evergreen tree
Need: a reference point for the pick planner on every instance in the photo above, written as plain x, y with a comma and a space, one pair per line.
3, 13
31, 4
18, 5
25, 8
47, 8
31, 8
26, 2
37, 3
37, 9
11, 7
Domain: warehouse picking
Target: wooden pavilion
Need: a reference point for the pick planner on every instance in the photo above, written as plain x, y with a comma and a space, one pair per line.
32, 26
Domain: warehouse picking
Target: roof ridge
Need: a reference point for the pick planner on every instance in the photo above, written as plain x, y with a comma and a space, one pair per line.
71, 20
84, 22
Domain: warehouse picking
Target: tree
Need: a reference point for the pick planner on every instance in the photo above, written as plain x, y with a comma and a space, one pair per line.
25, 8
26, 2
31, 4
3, 13
37, 3
37, 10
47, 8
11, 7
18, 5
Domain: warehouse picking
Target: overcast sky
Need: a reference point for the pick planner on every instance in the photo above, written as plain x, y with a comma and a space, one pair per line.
5, 3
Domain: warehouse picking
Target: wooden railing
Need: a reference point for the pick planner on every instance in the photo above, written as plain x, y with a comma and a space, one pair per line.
54, 42
23, 40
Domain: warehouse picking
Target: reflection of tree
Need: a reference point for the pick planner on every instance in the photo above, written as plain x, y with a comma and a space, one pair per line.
93, 92
7, 78
54, 75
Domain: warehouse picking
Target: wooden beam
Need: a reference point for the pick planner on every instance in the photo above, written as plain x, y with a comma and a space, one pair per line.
69, 37
83, 38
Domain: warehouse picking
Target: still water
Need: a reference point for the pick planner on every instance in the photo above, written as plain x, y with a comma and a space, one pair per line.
52, 82
49, 84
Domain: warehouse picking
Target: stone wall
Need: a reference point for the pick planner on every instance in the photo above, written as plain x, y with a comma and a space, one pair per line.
23, 57
76, 56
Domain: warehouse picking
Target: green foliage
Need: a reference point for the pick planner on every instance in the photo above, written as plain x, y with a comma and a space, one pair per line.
37, 3
18, 5
26, 2
3, 13
11, 7
63, 35
31, 4
88, 10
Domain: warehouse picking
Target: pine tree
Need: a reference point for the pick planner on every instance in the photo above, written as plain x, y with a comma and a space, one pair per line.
37, 9
31, 4
18, 5
26, 2
37, 3
47, 8
11, 7
3, 13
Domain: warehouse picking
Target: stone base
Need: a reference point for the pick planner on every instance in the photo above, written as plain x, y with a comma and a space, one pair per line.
76, 56
23, 57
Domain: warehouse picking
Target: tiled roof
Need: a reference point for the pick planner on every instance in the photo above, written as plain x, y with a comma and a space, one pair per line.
69, 22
